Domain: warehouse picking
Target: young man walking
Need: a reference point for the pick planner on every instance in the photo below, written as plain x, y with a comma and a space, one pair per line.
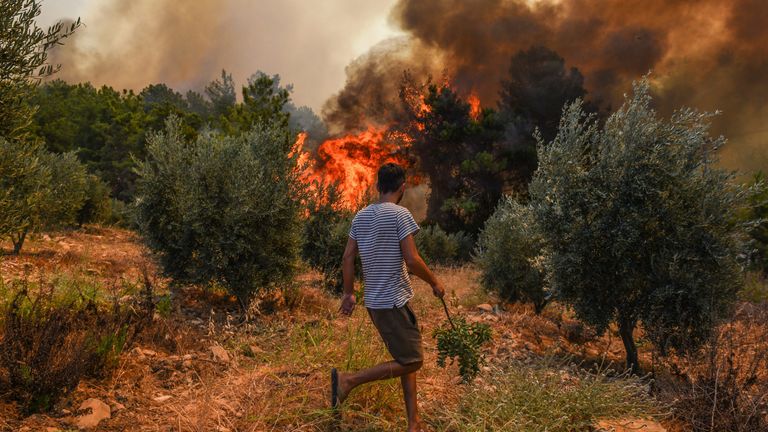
382, 234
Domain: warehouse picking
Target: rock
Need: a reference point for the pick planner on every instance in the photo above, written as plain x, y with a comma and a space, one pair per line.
161, 399
220, 354
98, 411
485, 307
627, 425
148, 353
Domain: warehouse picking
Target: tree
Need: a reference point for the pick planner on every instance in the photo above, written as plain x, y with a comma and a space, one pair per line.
537, 88
263, 100
459, 155
639, 223
24, 52
97, 207
510, 254
66, 192
24, 180
221, 94
222, 209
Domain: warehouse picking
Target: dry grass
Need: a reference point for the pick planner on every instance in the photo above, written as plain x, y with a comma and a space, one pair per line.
277, 376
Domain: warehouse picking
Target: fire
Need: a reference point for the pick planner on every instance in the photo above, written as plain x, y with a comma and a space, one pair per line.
474, 105
351, 161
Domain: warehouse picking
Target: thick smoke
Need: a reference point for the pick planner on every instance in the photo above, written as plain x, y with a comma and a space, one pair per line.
185, 44
708, 54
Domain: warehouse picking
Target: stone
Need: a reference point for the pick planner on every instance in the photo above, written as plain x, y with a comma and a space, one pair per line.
98, 411
485, 307
220, 354
161, 399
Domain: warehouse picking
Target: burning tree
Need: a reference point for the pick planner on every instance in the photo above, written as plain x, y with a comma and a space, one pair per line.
639, 223
455, 146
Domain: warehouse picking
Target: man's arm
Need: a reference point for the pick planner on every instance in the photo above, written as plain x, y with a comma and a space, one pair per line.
348, 271
417, 266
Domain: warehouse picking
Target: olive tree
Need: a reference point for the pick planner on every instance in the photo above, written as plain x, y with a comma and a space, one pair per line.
639, 222
510, 254
222, 209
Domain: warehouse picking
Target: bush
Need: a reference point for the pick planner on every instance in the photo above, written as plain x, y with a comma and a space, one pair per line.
510, 255
222, 209
546, 395
438, 247
24, 180
55, 335
724, 388
67, 191
97, 207
639, 223
325, 235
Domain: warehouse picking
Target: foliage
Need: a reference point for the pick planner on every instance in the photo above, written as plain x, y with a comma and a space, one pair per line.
222, 209
510, 255
97, 207
756, 215
536, 89
326, 230
438, 247
51, 340
24, 52
639, 223
545, 395
24, 189
66, 192
447, 139
462, 342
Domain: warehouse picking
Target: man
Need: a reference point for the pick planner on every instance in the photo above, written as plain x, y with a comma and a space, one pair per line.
383, 235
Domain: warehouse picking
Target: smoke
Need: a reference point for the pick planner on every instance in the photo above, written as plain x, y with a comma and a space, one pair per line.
709, 54
130, 44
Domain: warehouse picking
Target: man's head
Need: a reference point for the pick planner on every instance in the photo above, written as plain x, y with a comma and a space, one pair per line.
391, 179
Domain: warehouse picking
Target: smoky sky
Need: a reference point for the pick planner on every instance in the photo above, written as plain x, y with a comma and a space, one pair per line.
708, 54
185, 44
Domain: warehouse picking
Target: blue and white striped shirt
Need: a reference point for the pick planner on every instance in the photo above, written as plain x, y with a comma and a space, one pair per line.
378, 230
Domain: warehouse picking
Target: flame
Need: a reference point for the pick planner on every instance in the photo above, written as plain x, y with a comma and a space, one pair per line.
351, 161
474, 105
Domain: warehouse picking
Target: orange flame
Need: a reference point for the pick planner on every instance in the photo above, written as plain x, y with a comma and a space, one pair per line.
474, 105
352, 162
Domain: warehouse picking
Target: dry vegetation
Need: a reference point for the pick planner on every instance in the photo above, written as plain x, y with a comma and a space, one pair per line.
544, 372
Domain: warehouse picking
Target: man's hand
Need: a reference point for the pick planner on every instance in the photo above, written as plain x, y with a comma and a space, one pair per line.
348, 304
438, 290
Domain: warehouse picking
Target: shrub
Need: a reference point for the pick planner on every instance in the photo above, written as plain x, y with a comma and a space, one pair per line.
725, 387
325, 235
97, 207
53, 338
438, 247
222, 209
67, 190
510, 255
39, 189
639, 223
461, 342
546, 395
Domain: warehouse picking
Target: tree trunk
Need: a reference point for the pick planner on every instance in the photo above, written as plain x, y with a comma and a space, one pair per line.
18, 242
626, 328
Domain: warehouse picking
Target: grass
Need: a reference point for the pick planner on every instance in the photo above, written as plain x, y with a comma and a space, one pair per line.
546, 396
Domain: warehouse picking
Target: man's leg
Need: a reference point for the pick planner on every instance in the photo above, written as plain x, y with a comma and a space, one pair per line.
390, 369
411, 407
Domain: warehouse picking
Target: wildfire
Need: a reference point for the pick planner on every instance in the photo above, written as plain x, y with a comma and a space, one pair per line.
351, 161
474, 105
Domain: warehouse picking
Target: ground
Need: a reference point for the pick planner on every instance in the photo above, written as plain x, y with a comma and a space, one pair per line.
198, 368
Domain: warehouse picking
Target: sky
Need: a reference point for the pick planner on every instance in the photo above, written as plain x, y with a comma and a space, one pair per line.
309, 42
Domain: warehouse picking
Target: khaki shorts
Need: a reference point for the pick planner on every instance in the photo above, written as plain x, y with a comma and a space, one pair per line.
400, 331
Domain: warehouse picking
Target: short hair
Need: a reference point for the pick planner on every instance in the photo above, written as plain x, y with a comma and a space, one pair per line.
390, 177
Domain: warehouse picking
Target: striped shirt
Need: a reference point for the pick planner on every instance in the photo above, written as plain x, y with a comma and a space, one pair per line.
378, 230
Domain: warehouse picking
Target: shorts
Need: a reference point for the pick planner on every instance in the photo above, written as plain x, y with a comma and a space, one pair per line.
400, 331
